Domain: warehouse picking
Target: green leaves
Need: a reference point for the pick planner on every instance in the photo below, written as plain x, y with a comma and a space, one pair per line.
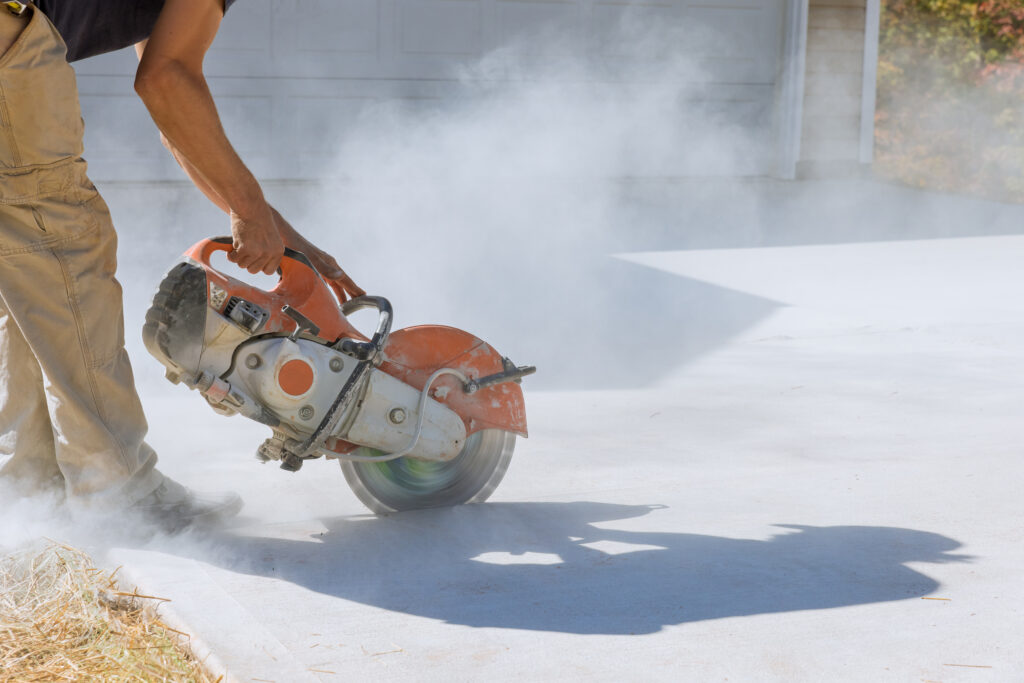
951, 95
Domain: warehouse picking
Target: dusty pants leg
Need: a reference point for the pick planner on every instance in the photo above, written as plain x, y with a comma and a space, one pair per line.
26, 439
61, 291
57, 262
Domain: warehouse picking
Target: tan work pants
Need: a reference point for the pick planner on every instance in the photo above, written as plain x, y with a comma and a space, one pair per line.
68, 405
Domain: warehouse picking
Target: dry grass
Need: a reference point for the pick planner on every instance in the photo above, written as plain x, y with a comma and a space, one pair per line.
61, 619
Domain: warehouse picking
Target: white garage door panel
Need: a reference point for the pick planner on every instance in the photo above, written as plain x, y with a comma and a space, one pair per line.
107, 117
445, 27
611, 39
321, 122
291, 76
743, 33
249, 118
248, 29
730, 45
353, 28
121, 63
518, 21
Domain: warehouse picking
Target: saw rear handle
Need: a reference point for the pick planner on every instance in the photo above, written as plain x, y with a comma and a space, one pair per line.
370, 350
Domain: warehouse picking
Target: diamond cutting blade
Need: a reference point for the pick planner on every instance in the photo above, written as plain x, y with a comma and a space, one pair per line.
410, 484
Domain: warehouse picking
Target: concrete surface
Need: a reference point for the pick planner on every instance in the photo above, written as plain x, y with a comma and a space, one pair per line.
831, 492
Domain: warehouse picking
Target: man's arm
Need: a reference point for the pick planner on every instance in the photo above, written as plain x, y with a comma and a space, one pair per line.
324, 263
170, 82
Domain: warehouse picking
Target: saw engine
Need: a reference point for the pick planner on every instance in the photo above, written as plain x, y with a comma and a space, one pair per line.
425, 416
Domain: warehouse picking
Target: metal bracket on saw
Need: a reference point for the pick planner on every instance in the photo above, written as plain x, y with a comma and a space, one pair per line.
302, 323
295, 452
511, 374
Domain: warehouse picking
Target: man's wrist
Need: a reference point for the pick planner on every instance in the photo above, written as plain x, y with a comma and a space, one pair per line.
247, 202
289, 235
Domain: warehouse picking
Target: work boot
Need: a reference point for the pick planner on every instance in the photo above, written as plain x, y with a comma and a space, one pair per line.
174, 508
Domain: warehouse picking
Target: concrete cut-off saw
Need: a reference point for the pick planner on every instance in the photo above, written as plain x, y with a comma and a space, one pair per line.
425, 416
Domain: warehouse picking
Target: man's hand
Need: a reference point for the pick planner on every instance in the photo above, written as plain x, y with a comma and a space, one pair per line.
257, 243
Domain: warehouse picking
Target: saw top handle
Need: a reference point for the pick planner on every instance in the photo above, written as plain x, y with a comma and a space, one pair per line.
300, 287
295, 269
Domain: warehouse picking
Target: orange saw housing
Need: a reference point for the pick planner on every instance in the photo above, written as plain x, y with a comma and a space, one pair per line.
411, 355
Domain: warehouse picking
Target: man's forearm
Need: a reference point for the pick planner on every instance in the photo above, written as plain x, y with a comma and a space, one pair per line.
171, 84
183, 109
289, 235
196, 178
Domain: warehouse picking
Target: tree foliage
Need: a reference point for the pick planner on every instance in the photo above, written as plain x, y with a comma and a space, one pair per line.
951, 95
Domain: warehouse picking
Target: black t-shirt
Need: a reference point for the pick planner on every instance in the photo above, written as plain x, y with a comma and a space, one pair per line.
92, 27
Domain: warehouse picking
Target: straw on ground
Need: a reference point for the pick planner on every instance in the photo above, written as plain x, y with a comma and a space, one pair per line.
62, 619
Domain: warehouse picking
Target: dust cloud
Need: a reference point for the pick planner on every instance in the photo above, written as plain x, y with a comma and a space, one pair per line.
497, 210
500, 209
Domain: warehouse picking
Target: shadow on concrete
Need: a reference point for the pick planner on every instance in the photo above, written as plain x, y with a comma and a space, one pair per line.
618, 325
551, 567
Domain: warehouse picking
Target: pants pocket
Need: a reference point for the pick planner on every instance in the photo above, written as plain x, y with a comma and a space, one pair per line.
22, 229
90, 263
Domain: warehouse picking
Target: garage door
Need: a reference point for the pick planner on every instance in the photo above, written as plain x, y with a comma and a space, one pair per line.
292, 77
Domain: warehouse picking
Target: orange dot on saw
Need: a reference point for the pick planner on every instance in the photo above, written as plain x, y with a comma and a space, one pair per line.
295, 377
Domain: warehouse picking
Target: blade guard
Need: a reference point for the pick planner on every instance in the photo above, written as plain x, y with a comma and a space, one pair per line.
414, 353
300, 287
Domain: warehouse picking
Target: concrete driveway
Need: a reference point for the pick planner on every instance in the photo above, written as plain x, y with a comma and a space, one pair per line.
829, 491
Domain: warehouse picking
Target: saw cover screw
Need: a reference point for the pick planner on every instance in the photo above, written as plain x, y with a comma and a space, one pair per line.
336, 364
306, 412
397, 416
252, 361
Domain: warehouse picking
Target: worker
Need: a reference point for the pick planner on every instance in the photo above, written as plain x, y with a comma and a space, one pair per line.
69, 412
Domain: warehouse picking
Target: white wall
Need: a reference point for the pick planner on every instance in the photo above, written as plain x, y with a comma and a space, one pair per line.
291, 76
